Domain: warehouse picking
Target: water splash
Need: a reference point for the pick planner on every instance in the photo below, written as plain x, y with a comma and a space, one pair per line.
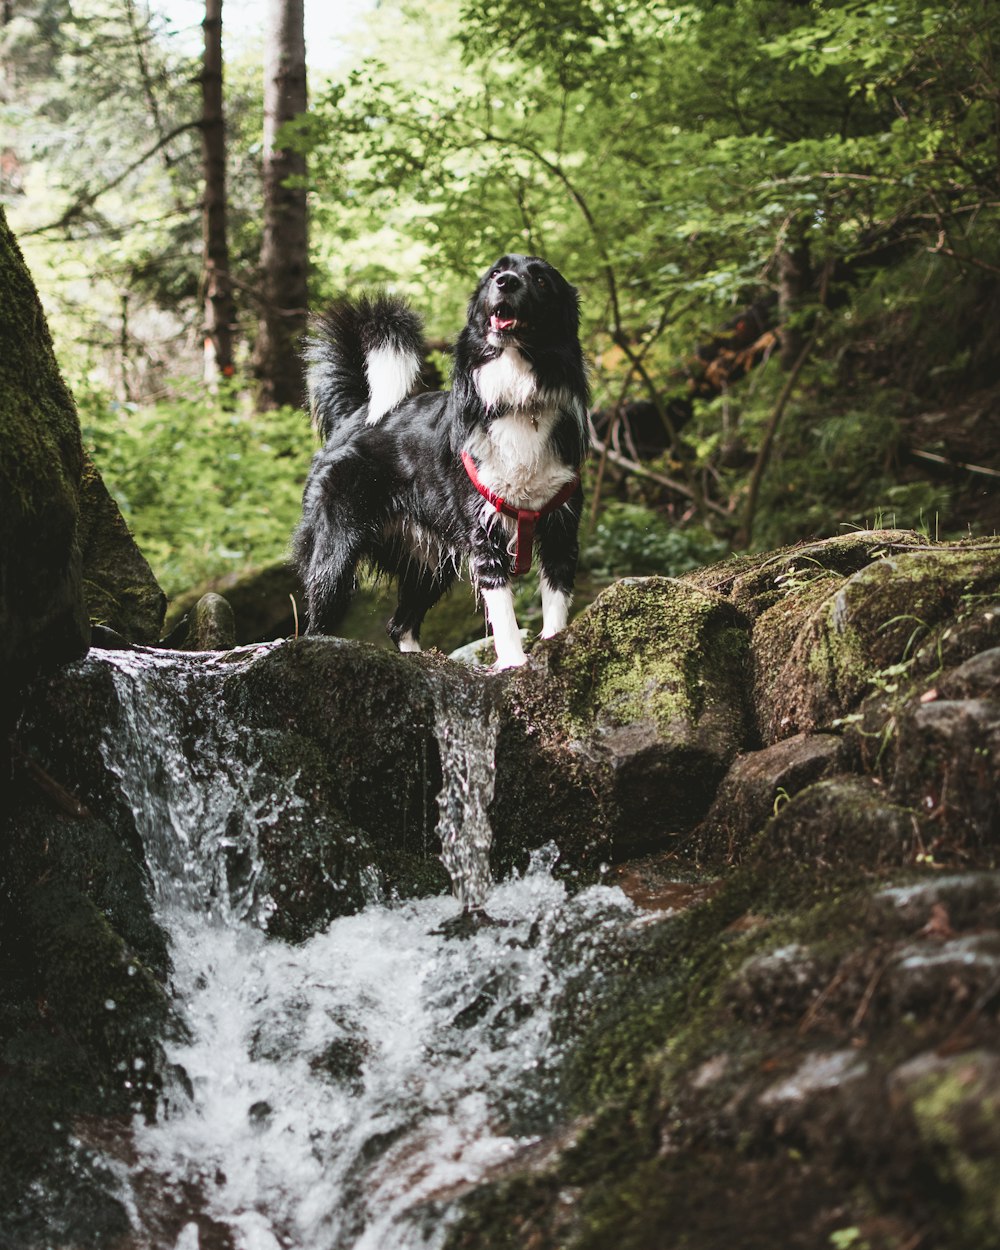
186, 776
341, 1093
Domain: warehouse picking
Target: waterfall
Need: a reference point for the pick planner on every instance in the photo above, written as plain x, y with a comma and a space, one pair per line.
466, 729
344, 1092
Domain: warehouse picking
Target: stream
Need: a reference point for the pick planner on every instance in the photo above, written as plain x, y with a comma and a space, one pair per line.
344, 1092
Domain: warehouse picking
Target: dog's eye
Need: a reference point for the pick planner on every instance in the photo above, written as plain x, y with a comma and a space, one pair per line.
542, 281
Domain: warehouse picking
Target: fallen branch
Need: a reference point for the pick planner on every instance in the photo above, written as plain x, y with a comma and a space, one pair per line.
954, 464
661, 479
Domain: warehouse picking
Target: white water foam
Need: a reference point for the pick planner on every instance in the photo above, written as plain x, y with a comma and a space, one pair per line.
337, 1094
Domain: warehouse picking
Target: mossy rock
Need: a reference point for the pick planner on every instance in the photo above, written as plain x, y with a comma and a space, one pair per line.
43, 618
119, 586
618, 731
818, 653
267, 603
757, 582
260, 598
757, 785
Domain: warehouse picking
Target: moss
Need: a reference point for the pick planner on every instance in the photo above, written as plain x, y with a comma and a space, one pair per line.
819, 651
119, 586
41, 458
957, 1110
647, 648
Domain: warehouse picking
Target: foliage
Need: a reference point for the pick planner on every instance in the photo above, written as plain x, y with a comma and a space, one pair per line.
628, 538
103, 117
206, 485
667, 158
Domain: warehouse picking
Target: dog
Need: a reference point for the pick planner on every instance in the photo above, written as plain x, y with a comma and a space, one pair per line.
422, 485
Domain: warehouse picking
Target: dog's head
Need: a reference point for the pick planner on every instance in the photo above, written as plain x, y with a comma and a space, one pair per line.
524, 300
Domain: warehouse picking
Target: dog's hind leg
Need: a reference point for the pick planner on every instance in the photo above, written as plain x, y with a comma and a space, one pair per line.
328, 546
419, 590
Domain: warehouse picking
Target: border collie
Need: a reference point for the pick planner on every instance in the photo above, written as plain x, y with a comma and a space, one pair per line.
420, 485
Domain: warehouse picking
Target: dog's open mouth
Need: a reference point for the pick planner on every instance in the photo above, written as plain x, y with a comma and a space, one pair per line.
502, 320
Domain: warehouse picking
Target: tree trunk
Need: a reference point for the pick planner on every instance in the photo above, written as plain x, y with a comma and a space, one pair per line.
794, 281
283, 255
219, 311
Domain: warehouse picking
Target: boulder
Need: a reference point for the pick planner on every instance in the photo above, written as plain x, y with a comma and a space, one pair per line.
43, 618
119, 587
66, 557
617, 733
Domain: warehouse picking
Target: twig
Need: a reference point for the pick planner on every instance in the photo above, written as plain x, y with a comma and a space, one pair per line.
87, 199
661, 478
954, 464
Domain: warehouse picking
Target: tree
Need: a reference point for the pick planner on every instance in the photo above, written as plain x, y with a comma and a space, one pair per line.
284, 258
218, 292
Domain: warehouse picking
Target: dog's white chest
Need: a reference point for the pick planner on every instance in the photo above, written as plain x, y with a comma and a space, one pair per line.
506, 381
517, 460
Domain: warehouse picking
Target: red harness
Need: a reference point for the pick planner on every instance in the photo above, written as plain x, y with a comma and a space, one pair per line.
526, 518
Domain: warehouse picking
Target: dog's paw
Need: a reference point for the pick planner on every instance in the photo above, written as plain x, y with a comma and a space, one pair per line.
509, 661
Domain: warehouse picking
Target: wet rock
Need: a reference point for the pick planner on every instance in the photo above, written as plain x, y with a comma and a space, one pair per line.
370, 715
757, 785
83, 1009
211, 625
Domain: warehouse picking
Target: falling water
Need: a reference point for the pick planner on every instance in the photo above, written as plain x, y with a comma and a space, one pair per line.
466, 729
338, 1094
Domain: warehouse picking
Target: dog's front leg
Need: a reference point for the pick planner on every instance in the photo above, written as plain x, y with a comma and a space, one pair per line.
555, 607
558, 553
506, 635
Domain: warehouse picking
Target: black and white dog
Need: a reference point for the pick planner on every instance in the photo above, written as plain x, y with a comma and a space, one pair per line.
417, 485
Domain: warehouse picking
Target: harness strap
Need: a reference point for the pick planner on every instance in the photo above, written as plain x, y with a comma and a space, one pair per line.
526, 518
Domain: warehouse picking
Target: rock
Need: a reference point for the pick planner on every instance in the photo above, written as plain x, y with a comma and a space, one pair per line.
211, 625
43, 618
757, 784
267, 604
261, 601
954, 1101
119, 587
804, 1010
844, 823
616, 734
965, 900
855, 633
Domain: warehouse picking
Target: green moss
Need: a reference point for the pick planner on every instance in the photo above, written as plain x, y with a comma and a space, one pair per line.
41, 458
957, 1112
649, 648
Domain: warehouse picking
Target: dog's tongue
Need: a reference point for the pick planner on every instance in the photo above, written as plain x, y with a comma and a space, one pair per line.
498, 323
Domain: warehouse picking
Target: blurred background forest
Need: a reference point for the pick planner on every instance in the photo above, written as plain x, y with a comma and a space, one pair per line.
781, 216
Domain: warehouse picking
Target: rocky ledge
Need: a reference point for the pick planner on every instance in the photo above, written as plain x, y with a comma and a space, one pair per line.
789, 762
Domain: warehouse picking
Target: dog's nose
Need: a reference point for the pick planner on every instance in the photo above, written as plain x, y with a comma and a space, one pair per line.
507, 281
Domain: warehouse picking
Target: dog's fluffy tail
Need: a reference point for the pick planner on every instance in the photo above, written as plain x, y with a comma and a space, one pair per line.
362, 352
